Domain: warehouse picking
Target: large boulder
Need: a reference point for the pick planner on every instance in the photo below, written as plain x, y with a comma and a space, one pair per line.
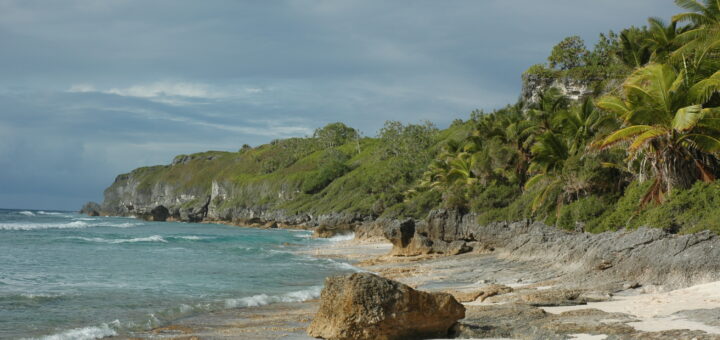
91, 209
365, 306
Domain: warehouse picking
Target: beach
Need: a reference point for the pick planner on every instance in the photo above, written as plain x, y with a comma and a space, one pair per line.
540, 302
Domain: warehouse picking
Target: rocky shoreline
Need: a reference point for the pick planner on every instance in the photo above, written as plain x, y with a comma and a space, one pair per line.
508, 274
522, 281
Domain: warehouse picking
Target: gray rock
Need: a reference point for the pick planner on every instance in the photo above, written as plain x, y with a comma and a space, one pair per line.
91, 209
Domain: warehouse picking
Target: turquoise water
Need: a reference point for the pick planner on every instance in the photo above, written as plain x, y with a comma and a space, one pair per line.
69, 276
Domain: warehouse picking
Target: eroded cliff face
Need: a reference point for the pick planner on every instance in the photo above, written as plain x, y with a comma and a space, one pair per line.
534, 85
130, 195
649, 256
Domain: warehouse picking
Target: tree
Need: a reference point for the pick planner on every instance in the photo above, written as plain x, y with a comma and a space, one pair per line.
569, 53
661, 39
634, 51
667, 128
335, 134
699, 53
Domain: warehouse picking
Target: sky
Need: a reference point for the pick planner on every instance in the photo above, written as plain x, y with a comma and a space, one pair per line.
91, 89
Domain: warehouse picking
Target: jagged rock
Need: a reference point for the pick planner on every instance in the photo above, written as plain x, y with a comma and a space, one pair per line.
481, 293
365, 306
399, 233
327, 231
91, 209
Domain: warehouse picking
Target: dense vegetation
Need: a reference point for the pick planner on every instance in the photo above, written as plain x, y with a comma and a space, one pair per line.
634, 155
642, 151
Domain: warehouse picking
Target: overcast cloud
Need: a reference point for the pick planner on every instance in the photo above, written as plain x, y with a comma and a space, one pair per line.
90, 89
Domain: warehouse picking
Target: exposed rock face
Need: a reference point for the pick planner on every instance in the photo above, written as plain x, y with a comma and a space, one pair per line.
534, 85
129, 196
365, 306
647, 256
425, 238
91, 209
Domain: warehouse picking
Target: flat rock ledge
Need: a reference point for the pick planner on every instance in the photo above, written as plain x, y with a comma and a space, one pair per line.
365, 306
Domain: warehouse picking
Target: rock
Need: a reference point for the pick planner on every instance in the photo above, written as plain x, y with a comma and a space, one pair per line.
366, 306
91, 209
554, 297
400, 233
327, 231
159, 213
630, 285
482, 293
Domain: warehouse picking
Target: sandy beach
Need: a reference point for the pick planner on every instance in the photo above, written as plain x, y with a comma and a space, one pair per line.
540, 301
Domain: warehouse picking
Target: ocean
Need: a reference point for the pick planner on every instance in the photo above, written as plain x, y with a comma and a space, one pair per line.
70, 276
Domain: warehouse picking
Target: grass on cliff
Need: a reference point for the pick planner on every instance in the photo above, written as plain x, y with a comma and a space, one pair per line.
310, 175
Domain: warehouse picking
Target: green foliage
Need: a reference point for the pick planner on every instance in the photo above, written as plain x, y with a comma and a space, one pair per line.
646, 153
542, 71
332, 165
569, 53
335, 134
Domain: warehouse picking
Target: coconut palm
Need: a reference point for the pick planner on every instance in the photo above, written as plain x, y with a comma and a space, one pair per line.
699, 53
634, 51
661, 39
666, 127
580, 124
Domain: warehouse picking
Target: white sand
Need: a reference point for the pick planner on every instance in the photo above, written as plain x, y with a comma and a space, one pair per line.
655, 310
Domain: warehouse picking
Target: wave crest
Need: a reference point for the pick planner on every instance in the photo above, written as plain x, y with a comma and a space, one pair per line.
86, 333
68, 225
264, 299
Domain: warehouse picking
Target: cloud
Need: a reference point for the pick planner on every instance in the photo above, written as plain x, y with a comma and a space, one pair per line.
91, 88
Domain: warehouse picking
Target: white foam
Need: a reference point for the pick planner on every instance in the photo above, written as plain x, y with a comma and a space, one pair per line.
345, 266
342, 237
193, 238
264, 299
35, 226
48, 213
154, 238
86, 333
69, 225
27, 213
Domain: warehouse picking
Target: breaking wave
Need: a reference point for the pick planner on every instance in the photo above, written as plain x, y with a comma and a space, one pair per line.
264, 299
342, 237
153, 238
68, 225
86, 333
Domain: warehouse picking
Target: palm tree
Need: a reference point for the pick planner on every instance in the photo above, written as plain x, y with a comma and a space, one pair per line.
580, 124
699, 51
634, 51
661, 39
667, 128
549, 155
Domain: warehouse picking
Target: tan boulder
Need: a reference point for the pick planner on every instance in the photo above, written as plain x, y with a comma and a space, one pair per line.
365, 306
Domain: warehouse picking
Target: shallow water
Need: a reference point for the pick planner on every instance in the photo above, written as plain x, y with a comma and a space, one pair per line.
69, 276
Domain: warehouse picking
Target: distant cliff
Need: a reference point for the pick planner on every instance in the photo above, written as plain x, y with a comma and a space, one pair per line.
334, 178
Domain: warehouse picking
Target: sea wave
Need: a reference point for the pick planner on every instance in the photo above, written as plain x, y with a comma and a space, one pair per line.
264, 299
30, 299
342, 237
153, 238
49, 213
86, 333
68, 225
26, 213
194, 238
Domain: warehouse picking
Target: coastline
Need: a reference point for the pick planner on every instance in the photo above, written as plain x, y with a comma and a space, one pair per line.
542, 302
